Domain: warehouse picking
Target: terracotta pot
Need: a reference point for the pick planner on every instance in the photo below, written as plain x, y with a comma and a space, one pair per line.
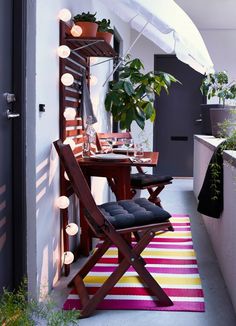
105, 35
89, 29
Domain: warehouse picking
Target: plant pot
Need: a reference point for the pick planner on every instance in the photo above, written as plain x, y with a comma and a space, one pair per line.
220, 115
105, 35
89, 29
205, 115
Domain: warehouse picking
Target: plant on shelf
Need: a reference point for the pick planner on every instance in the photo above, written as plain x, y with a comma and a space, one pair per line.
104, 29
217, 85
85, 17
104, 26
132, 97
87, 22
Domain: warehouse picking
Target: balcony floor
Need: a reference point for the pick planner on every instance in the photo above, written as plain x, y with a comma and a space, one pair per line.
179, 199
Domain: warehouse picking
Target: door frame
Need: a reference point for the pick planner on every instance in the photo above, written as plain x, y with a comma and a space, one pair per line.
18, 143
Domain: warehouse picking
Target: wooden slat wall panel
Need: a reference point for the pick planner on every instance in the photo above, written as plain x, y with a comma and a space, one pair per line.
70, 96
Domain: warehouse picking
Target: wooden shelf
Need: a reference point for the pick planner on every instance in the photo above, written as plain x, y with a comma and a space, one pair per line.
93, 47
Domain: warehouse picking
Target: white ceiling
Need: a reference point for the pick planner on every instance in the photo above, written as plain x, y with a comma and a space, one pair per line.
210, 14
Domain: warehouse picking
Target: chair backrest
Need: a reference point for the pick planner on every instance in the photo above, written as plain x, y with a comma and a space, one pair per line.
80, 186
103, 136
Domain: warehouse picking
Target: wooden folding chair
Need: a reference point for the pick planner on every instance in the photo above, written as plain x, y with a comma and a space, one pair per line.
112, 222
153, 183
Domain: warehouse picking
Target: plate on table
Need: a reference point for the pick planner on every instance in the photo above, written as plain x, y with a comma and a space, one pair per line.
110, 157
123, 150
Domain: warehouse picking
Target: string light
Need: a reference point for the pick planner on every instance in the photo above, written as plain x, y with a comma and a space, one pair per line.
93, 60
62, 202
67, 79
70, 113
70, 142
66, 176
76, 31
93, 80
67, 257
63, 51
64, 15
72, 229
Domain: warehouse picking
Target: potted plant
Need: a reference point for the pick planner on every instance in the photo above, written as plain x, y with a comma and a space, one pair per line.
87, 22
217, 85
104, 30
132, 97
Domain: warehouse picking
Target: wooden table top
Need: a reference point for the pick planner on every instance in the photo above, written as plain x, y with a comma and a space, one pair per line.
153, 156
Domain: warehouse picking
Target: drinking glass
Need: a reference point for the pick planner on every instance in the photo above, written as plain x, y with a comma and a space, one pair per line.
138, 151
111, 141
128, 144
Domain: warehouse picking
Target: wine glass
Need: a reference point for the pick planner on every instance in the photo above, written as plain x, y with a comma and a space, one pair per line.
111, 141
128, 142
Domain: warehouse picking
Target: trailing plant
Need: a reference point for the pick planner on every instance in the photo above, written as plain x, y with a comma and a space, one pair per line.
85, 17
104, 26
132, 97
17, 309
228, 144
217, 84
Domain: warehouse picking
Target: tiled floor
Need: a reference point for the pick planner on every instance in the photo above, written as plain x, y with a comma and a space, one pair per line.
177, 198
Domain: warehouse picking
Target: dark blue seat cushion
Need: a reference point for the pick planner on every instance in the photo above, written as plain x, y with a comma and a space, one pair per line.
128, 213
143, 180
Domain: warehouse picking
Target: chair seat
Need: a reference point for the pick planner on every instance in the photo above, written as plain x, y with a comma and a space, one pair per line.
144, 180
137, 212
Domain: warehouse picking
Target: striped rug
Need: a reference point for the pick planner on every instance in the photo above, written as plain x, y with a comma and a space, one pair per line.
171, 260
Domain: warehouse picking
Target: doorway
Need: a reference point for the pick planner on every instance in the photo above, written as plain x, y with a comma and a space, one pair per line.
177, 118
12, 156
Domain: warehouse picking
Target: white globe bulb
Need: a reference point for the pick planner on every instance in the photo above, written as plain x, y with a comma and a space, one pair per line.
67, 79
72, 229
62, 202
66, 176
76, 31
70, 113
64, 15
67, 257
93, 60
93, 80
70, 142
63, 51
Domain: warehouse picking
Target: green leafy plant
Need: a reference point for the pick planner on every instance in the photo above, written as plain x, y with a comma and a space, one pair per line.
104, 26
217, 84
17, 309
228, 144
85, 17
132, 97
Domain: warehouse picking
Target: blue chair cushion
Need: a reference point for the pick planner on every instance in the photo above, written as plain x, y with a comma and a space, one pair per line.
144, 180
129, 213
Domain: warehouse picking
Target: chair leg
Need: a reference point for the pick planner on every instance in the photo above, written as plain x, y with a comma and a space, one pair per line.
154, 195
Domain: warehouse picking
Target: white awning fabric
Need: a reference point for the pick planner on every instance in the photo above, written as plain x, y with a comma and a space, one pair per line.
168, 26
